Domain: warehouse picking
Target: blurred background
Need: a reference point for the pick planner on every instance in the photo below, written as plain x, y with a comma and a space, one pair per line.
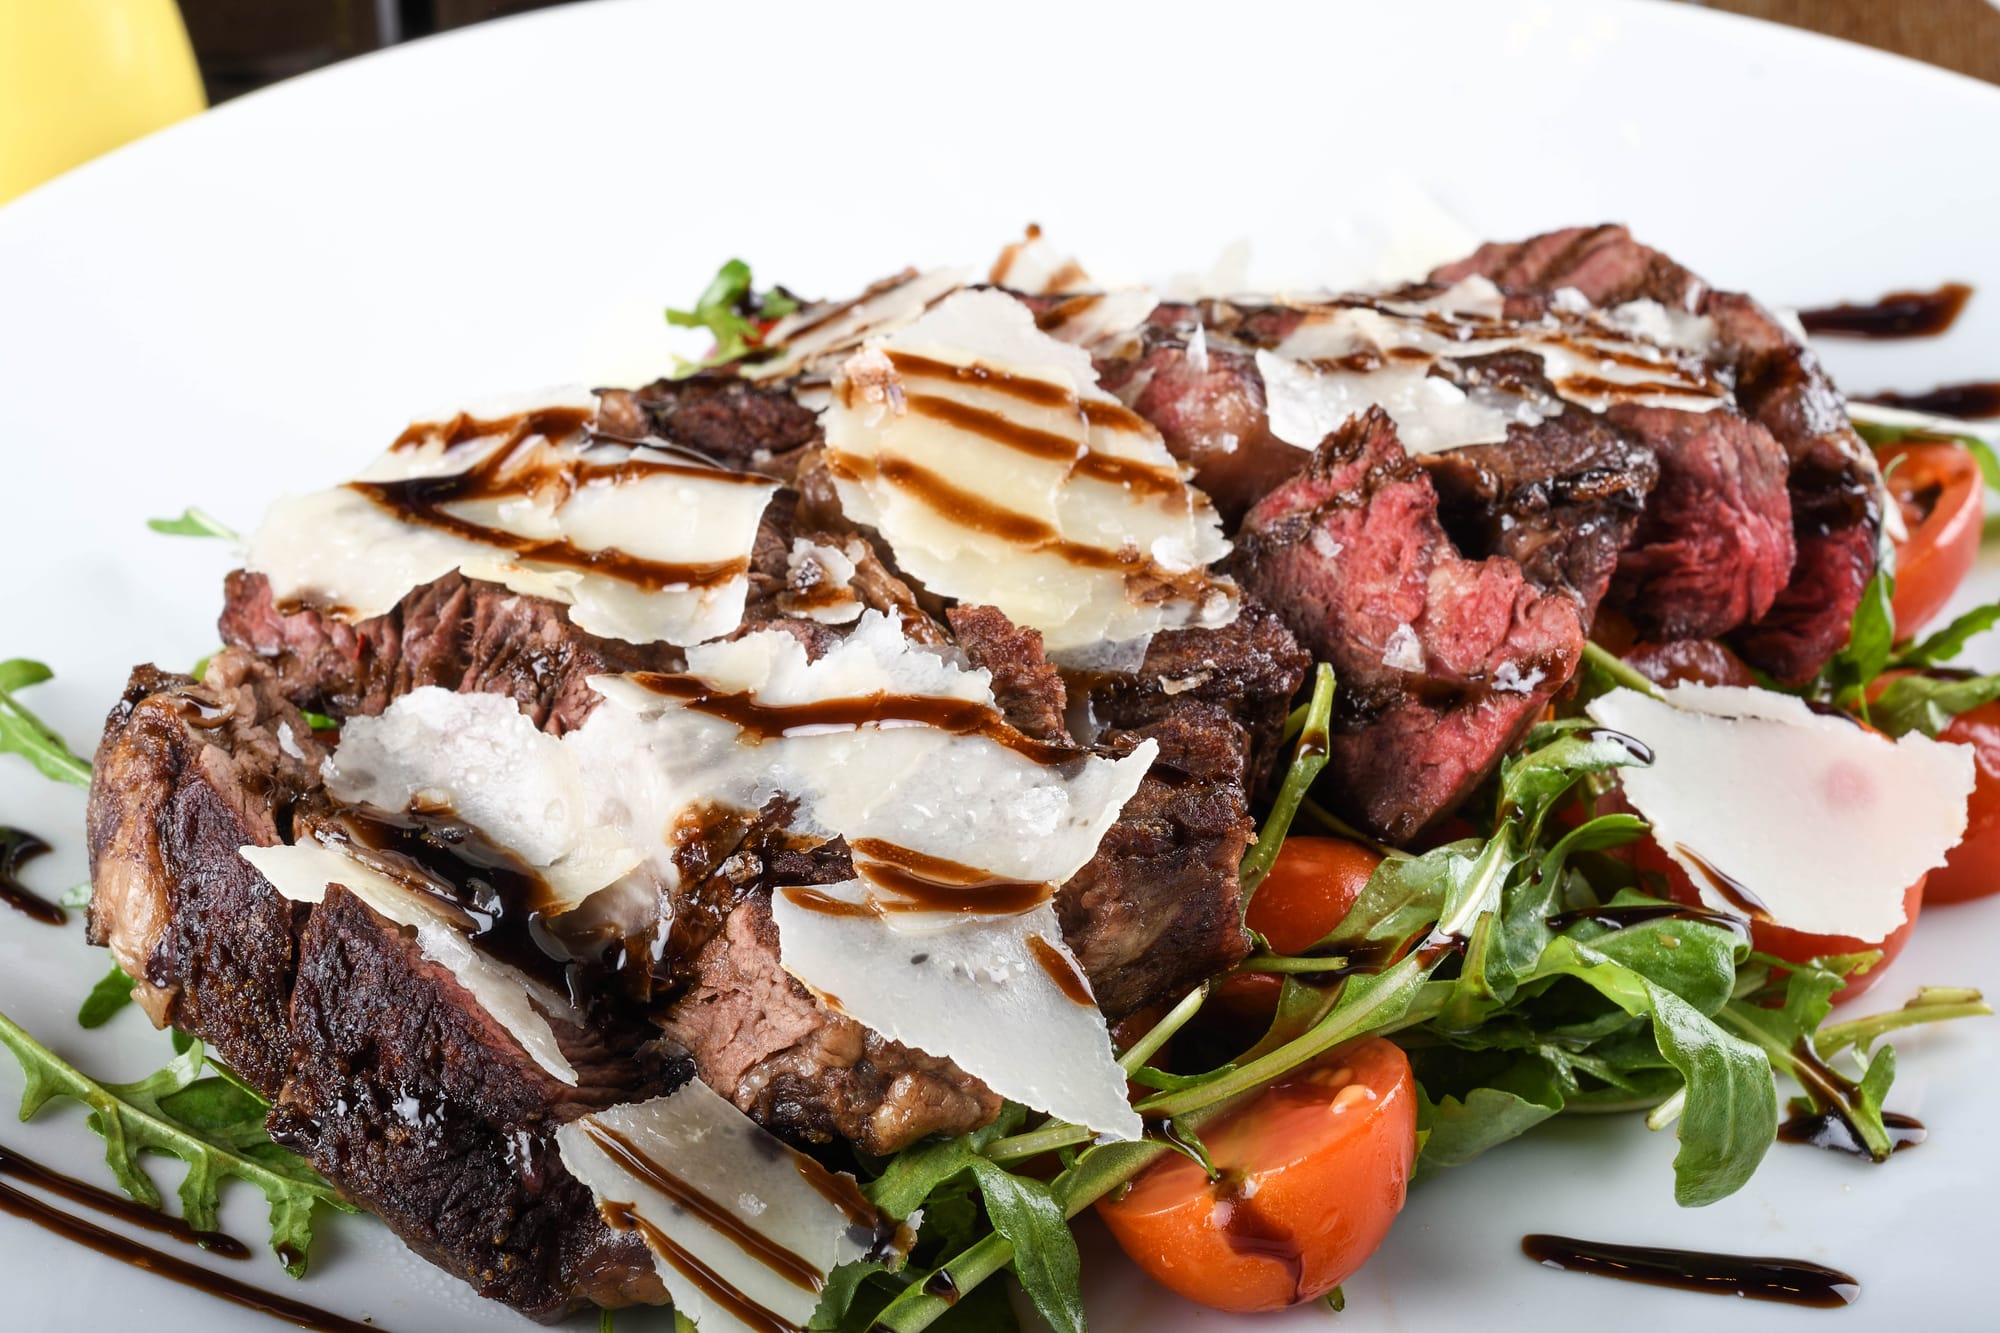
80, 77
245, 43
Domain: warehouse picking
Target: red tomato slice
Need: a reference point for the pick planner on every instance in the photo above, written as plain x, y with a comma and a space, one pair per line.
1972, 869
1943, 500
1310, 1174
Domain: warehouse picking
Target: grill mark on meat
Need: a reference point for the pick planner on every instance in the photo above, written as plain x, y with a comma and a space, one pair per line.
759, 1247
760, 721
624, 1217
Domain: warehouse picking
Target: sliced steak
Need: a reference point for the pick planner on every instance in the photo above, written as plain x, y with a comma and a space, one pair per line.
742, 425
1156, 910
407, 1094
1560, 499
1715, 546
187, 773
456, 633
799, 1068
1027, 687
1442, 661
1834, 487
1203, 393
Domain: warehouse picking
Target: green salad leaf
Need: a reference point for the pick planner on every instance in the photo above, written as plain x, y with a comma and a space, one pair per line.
212, 1124
106, 998
734, 313
194, 523
22, 733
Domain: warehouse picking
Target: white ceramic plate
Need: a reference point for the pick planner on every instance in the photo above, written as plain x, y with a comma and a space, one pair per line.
259, 299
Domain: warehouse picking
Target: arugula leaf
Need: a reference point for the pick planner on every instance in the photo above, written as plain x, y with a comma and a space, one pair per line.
1929, 703
212, 1126
319, 721
1508, 1106
106, 998
22, 733
1025, 1211
1870, 643
731, 311
1950, 641
1931, 1004
76, 895
1731, 1113
194, 523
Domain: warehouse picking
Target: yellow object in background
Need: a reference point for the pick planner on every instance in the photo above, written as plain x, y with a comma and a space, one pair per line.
80, 77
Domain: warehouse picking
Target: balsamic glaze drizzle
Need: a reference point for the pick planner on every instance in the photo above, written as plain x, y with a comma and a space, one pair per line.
1788, 1281
17, 848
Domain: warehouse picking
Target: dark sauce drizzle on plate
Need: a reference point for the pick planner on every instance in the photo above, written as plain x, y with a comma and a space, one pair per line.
17, 848
1788, 1281
1976, 398
70, 1227
1897, 315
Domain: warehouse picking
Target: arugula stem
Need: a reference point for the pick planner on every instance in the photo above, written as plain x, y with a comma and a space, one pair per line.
1334, 824
1933, 1004
1620, 671
1750, 1022
1143, 1050
1307, 762
1056, 1134
1667, 1111
1277, 962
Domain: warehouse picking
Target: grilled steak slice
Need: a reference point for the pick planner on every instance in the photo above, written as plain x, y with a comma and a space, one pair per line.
407, 1094
1443, 662
1833, 484
1715, 546
1028, 689
187, 773
1155, 911
1203, 393
740, 424
1561, 499
457, 633
800, 1069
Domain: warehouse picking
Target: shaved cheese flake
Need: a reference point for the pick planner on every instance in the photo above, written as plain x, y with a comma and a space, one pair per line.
1396, 353
645, 547
648, 1162
1033, 265
969, 992
1822, 823
480, 757
999, 472
821, 582
929, 808
516, 1001
818, 336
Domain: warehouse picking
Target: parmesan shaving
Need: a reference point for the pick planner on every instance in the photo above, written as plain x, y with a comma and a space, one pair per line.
1399, 354
817, 337
999, 472
481, 757
1821, 823
715, 1153
643, 545
978, 800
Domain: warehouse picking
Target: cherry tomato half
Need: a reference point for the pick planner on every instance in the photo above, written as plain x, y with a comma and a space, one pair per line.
1942, 496
1310, 1173
1972, 869
1308, 890
1797, 946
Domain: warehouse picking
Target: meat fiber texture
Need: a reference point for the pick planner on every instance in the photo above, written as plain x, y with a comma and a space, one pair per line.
1443, 662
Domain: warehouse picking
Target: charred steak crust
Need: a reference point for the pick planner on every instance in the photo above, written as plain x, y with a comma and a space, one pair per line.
1442, 662
406, 1093
1832, 481
738, 423
187, 773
